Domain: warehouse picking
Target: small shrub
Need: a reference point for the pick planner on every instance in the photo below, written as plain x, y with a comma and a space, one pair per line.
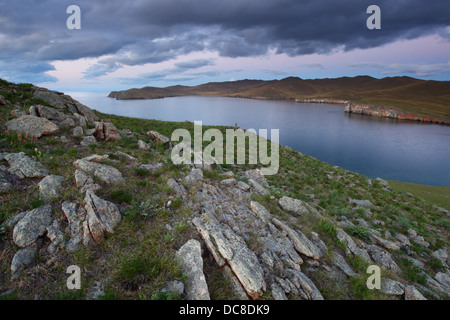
435, 264
121, 196
358, 231
145, 209
141, 172
328, 227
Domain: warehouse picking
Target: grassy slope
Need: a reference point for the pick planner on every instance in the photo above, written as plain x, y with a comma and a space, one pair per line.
438, 195
137, 260
430, 98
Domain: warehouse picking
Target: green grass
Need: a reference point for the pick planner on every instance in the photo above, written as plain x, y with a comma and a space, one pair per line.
437, 195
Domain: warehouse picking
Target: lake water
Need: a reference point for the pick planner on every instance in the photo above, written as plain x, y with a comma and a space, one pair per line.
390, 149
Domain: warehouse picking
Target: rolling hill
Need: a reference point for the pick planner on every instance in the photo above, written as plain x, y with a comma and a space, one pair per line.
422, 97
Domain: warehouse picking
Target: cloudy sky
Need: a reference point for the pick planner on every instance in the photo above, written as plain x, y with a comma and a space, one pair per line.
136, 43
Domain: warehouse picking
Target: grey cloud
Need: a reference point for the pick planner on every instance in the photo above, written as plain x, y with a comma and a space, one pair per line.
136, 32
194, 64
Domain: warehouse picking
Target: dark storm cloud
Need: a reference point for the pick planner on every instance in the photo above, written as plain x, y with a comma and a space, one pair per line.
136, 32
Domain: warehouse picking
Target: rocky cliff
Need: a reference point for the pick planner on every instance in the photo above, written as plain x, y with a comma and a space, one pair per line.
388, 112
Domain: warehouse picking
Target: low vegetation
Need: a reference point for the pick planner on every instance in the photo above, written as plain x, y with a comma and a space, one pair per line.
137, 260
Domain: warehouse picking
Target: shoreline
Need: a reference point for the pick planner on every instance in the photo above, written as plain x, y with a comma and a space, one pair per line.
350, 107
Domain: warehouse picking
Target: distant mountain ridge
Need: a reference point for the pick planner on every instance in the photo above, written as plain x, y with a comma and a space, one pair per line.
424, 97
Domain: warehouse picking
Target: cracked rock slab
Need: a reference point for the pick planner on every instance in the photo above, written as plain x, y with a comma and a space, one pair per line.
342, 264
75, 220
190, 257
104, 172
293, 205
50, 186
32, 126
23, 258
351, 245
158, 137
381, 256
33, 225
23, 166
102, 216
234, 251
301, 243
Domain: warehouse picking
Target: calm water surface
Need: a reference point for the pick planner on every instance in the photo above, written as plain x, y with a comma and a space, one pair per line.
393, 150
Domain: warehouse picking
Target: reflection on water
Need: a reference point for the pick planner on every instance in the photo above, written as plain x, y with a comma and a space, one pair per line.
387, 148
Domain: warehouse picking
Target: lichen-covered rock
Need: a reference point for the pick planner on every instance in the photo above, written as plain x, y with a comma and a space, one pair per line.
75, 220
257, 176
178, 188
84, 182
106, 131
32, 126
152, 166
56, 236
190, 257
227, 246
24, 167
33, 225
102, 216
303, 283
194, 176
50, 113
293, 205
261, 211
158, 137
258, 188
105, 173
301, 243
411, 293
342, 264
23, 258
50, 186
143, 145
392, 287
351, 246
384, 258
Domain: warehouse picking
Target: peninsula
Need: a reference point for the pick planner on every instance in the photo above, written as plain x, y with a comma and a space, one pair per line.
395, 97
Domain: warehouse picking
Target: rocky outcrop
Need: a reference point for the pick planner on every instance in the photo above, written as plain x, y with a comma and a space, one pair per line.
351, 246
231, 249
323, 100
32, 126
50, 186
75, 218
294, 206
23, 166
61, 101
158, 137
388, 112
190, 257
196, 175
178, 188
106, 173
301, 243
33, 225
102, 216
106, 131
23, 258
